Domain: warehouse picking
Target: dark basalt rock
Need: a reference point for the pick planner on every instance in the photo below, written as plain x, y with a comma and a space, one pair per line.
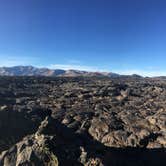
82, 121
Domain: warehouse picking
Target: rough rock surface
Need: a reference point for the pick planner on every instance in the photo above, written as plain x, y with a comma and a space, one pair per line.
82, 121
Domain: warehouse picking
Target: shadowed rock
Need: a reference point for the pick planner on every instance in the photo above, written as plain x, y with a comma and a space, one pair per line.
82, 121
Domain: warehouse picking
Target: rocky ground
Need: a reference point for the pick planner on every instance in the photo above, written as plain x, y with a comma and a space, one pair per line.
82, 121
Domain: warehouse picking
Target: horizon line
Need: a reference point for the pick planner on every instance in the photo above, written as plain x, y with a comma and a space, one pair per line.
120, 72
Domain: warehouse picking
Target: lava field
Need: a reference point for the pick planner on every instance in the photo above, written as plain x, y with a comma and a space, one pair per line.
82, 121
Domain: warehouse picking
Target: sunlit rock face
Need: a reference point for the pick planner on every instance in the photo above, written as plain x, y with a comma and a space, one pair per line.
91, 121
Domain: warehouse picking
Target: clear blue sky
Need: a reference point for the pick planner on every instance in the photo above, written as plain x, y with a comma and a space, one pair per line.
125, 36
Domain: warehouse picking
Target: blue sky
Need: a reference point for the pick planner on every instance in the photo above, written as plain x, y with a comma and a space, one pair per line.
124, 36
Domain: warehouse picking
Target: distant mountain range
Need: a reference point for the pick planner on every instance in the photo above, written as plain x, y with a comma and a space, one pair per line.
34, 71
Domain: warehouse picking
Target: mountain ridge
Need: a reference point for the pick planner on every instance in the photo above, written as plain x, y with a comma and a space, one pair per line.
35, 71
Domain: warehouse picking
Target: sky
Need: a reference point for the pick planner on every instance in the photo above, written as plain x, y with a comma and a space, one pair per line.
123, 36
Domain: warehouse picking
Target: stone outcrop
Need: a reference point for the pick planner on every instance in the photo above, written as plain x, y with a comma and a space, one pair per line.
82, 121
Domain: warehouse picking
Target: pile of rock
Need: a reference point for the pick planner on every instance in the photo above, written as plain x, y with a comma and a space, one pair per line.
82, 121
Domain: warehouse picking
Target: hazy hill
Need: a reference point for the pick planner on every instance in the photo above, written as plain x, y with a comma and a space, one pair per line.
33, 71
